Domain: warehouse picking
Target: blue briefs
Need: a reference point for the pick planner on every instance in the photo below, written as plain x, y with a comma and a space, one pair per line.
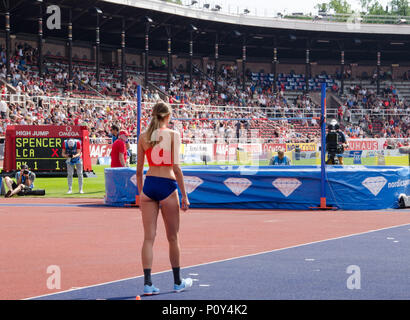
158, 188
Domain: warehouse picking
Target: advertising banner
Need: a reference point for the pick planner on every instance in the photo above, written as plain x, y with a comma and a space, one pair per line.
267, 187
100, 150
302, 146
365, 144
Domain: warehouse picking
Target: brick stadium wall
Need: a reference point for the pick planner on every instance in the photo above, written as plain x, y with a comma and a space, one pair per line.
133, 59
258, 67
316, 69
54, 49
286, 68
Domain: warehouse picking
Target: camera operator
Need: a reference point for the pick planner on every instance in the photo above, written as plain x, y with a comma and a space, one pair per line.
24, 182
279, 160
72, 151
335, 143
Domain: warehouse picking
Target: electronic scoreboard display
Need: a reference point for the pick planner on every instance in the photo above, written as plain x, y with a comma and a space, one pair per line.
41, 147
40, 154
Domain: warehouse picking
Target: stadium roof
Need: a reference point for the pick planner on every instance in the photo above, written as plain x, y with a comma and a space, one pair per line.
351, 24
325, 43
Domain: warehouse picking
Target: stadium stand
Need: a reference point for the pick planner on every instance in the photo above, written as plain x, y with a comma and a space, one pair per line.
50, 100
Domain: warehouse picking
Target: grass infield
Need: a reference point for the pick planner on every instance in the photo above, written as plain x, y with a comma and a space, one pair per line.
57, 187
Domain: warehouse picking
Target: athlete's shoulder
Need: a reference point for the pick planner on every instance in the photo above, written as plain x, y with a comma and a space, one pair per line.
144, 141
143, 136
174, 132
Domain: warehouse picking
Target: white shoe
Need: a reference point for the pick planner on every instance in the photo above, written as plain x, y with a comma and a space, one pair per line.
69, 191
81, 191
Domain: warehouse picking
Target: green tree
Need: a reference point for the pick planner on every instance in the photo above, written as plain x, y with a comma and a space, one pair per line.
372, 7
400, 7
338, 6
377, 9
322, 7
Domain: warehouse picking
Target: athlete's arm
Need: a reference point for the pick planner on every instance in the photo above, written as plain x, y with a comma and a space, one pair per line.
140, 164
176, 145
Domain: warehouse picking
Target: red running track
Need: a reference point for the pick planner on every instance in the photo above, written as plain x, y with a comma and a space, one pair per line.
93, 245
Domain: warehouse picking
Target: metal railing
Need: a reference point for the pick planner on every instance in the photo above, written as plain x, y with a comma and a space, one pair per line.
212, 112
302, 112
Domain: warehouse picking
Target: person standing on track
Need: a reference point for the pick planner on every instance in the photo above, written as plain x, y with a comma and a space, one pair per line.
72, 151
161, 147
119, 151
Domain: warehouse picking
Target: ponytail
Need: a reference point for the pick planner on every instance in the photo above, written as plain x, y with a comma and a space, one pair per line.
159, 112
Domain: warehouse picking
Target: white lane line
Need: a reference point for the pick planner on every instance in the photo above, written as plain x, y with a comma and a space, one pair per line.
204, 285
309, 259
230, 259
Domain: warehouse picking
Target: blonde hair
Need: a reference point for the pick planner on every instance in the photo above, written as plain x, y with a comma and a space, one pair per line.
159, 112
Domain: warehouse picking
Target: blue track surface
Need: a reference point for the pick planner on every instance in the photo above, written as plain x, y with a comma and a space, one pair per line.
311, 271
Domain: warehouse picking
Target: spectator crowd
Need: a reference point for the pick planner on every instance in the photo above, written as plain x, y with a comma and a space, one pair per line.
222, 113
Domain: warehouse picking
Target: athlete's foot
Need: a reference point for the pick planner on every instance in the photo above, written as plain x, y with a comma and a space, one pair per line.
150, 290
185, 284
69, 191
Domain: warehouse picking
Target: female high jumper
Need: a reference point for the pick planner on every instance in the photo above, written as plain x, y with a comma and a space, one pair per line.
161, 146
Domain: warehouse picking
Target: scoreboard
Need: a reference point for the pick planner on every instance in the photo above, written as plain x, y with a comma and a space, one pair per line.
40, 147
40, 154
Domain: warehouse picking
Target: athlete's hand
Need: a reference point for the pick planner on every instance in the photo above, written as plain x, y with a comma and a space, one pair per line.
185, 203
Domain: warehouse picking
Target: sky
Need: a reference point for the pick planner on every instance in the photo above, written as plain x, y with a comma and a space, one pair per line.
283, 6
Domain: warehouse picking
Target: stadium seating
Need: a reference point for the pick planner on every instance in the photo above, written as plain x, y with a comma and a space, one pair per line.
257, 101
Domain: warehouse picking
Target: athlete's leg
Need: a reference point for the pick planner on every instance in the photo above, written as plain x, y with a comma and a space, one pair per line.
149, 211
170, 214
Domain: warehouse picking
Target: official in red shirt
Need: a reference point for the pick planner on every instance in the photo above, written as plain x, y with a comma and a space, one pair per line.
119, 151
